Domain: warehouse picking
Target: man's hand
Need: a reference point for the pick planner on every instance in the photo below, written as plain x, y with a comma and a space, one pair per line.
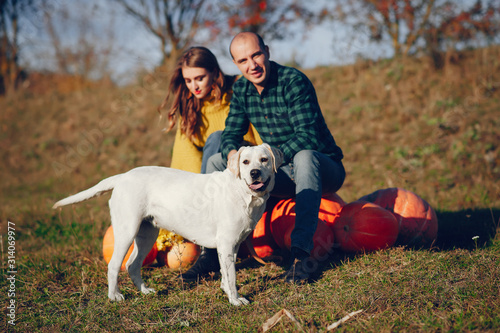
231, 153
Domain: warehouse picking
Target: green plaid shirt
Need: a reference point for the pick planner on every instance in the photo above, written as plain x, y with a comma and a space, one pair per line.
286, 114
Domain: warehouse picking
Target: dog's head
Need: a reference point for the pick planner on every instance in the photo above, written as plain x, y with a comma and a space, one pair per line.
256, 165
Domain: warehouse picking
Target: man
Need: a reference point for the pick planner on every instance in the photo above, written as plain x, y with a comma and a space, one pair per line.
281, 104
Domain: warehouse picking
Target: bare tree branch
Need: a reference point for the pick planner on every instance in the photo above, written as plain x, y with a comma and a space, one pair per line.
10, 13
173, 22
413, 35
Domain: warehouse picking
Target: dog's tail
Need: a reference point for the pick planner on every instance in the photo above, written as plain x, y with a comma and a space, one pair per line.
102, 187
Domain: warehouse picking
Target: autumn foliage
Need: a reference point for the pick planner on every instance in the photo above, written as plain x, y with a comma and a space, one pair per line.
423, 24
254, 15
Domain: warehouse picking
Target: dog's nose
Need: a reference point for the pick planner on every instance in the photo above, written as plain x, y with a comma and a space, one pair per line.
255, 173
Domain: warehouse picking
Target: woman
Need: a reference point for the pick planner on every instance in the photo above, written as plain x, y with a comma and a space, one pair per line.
201, 94
200, 104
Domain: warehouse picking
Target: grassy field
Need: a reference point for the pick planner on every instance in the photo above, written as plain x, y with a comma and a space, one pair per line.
401, 123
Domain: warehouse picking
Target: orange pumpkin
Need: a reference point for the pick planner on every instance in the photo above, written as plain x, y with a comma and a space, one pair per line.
364, 226
260, 239
182, 255
108, 243
282, 217
283, 222
330, 207
418, 225
323, 240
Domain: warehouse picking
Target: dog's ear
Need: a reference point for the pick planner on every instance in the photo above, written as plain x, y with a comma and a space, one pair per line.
276, 156
233, 163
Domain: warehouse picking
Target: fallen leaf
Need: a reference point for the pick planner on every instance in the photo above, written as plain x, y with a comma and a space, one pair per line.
277, 317
343, 320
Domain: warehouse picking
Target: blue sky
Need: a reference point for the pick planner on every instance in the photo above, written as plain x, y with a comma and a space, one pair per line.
134, 48
332, 43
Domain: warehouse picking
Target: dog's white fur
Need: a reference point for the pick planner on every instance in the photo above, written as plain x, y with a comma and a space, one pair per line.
216, 210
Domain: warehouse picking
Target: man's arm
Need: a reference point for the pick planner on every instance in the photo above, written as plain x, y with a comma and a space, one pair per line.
237, 124
304, 115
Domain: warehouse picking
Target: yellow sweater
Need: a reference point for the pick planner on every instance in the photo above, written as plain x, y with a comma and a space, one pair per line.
186, 154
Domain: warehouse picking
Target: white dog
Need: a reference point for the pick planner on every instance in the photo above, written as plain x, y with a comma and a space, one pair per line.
217, 210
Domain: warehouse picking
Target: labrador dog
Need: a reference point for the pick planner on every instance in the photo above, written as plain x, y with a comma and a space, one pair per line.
217, 210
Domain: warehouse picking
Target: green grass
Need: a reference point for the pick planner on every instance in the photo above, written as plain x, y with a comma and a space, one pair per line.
400, 124
62, 286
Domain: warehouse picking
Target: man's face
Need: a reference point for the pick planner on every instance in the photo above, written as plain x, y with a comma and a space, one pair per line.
251, 60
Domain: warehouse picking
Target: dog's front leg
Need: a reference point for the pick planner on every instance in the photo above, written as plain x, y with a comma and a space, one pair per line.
227, 259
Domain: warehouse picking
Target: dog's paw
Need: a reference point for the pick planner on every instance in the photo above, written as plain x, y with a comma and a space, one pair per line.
146, 290
239, 301
116, 297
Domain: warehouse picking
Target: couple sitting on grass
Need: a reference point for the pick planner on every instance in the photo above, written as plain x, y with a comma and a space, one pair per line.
271, 103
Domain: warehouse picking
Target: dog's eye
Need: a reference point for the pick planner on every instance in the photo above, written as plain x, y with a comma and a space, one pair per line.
264, 159
246, 162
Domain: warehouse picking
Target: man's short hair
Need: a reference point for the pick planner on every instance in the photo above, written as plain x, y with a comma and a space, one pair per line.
262, 45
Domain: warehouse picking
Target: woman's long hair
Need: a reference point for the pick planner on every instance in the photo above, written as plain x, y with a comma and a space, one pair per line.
184, 104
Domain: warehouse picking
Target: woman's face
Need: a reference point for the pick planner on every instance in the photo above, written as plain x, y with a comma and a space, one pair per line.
198, 80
